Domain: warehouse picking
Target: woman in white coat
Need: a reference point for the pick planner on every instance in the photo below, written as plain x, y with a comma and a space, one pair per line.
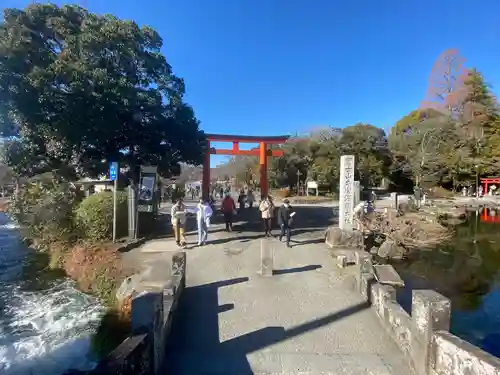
203, 214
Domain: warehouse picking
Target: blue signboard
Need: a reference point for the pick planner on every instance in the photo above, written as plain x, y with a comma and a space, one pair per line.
113, 170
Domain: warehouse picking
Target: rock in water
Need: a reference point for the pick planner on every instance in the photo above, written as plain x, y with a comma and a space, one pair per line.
390, 250
337, 237
128, 287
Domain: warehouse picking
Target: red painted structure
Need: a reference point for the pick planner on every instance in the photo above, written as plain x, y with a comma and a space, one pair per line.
490, 180
262, 152
487, 216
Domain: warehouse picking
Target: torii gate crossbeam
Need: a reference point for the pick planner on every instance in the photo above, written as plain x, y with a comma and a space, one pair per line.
262, 152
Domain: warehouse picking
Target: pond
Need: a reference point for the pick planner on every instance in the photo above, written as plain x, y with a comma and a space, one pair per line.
466, 270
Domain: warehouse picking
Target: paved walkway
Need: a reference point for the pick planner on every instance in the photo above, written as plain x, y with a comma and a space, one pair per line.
306, 319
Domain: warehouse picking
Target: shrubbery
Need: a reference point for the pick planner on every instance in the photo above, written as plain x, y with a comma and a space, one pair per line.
94, 216
178, 193
438, 192
281, 193
46, 212
57, 212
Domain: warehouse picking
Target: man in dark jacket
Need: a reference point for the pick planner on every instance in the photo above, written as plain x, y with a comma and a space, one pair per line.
285, 214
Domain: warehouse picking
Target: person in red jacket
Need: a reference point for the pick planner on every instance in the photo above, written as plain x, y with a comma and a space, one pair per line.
228, 208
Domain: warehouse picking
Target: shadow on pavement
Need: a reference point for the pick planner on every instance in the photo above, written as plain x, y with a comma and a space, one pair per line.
310, 267
194, 346
236, 237
307, 217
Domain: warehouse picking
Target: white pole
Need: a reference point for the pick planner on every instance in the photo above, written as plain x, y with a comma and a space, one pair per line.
115, 203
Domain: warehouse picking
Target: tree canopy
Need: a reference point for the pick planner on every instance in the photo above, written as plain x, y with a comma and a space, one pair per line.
79, 89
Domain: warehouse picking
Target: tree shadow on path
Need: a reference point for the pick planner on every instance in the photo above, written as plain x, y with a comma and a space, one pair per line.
194, 346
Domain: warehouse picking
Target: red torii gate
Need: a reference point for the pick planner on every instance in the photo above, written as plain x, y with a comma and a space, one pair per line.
489, 180
262, 152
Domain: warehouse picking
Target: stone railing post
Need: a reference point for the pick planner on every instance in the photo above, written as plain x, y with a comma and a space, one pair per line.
266, 258
178, 271
430, 312
365, 277
147, 317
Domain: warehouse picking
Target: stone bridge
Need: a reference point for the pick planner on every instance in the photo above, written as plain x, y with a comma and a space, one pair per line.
305, 319
308, 317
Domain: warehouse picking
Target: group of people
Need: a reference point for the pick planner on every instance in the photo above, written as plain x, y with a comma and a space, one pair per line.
245, 198
285, 218
178, 215
204, 213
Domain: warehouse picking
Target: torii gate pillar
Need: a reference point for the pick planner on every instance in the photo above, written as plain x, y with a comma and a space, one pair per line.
264, 183
262, 152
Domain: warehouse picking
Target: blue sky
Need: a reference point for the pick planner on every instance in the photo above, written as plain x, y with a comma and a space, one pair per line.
269, 67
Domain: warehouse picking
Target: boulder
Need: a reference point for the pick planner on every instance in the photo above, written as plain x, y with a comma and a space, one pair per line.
336, 237
391, 250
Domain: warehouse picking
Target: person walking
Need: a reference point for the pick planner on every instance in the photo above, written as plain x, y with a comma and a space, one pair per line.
228, 209
178, 219
203, 214
250, 198
241, 201
285, 217
266, 208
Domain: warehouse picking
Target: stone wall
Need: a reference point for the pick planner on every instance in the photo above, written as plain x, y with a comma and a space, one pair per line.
424, 335
153, 311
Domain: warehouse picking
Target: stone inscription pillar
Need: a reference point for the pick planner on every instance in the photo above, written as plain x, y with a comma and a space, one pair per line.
346, 196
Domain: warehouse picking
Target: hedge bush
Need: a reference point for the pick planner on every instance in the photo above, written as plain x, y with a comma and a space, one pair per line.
178, 193
94, 215
281, 193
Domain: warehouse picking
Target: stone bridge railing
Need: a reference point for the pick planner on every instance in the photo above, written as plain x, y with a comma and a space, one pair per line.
424, 335
142, 353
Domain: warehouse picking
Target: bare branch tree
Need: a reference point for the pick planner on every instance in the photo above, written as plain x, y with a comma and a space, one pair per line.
446, 89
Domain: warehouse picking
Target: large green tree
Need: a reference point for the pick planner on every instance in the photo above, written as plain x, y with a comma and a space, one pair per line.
317, 156
85, 89
480, 124
369, 145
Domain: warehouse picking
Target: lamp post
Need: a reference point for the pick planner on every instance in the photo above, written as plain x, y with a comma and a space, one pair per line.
137, 117
299, 173
477, 180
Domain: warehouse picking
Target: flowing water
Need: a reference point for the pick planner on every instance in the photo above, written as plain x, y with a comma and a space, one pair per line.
466, 270
45, 322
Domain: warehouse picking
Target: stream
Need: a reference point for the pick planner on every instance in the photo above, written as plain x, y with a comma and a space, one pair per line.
46, 324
